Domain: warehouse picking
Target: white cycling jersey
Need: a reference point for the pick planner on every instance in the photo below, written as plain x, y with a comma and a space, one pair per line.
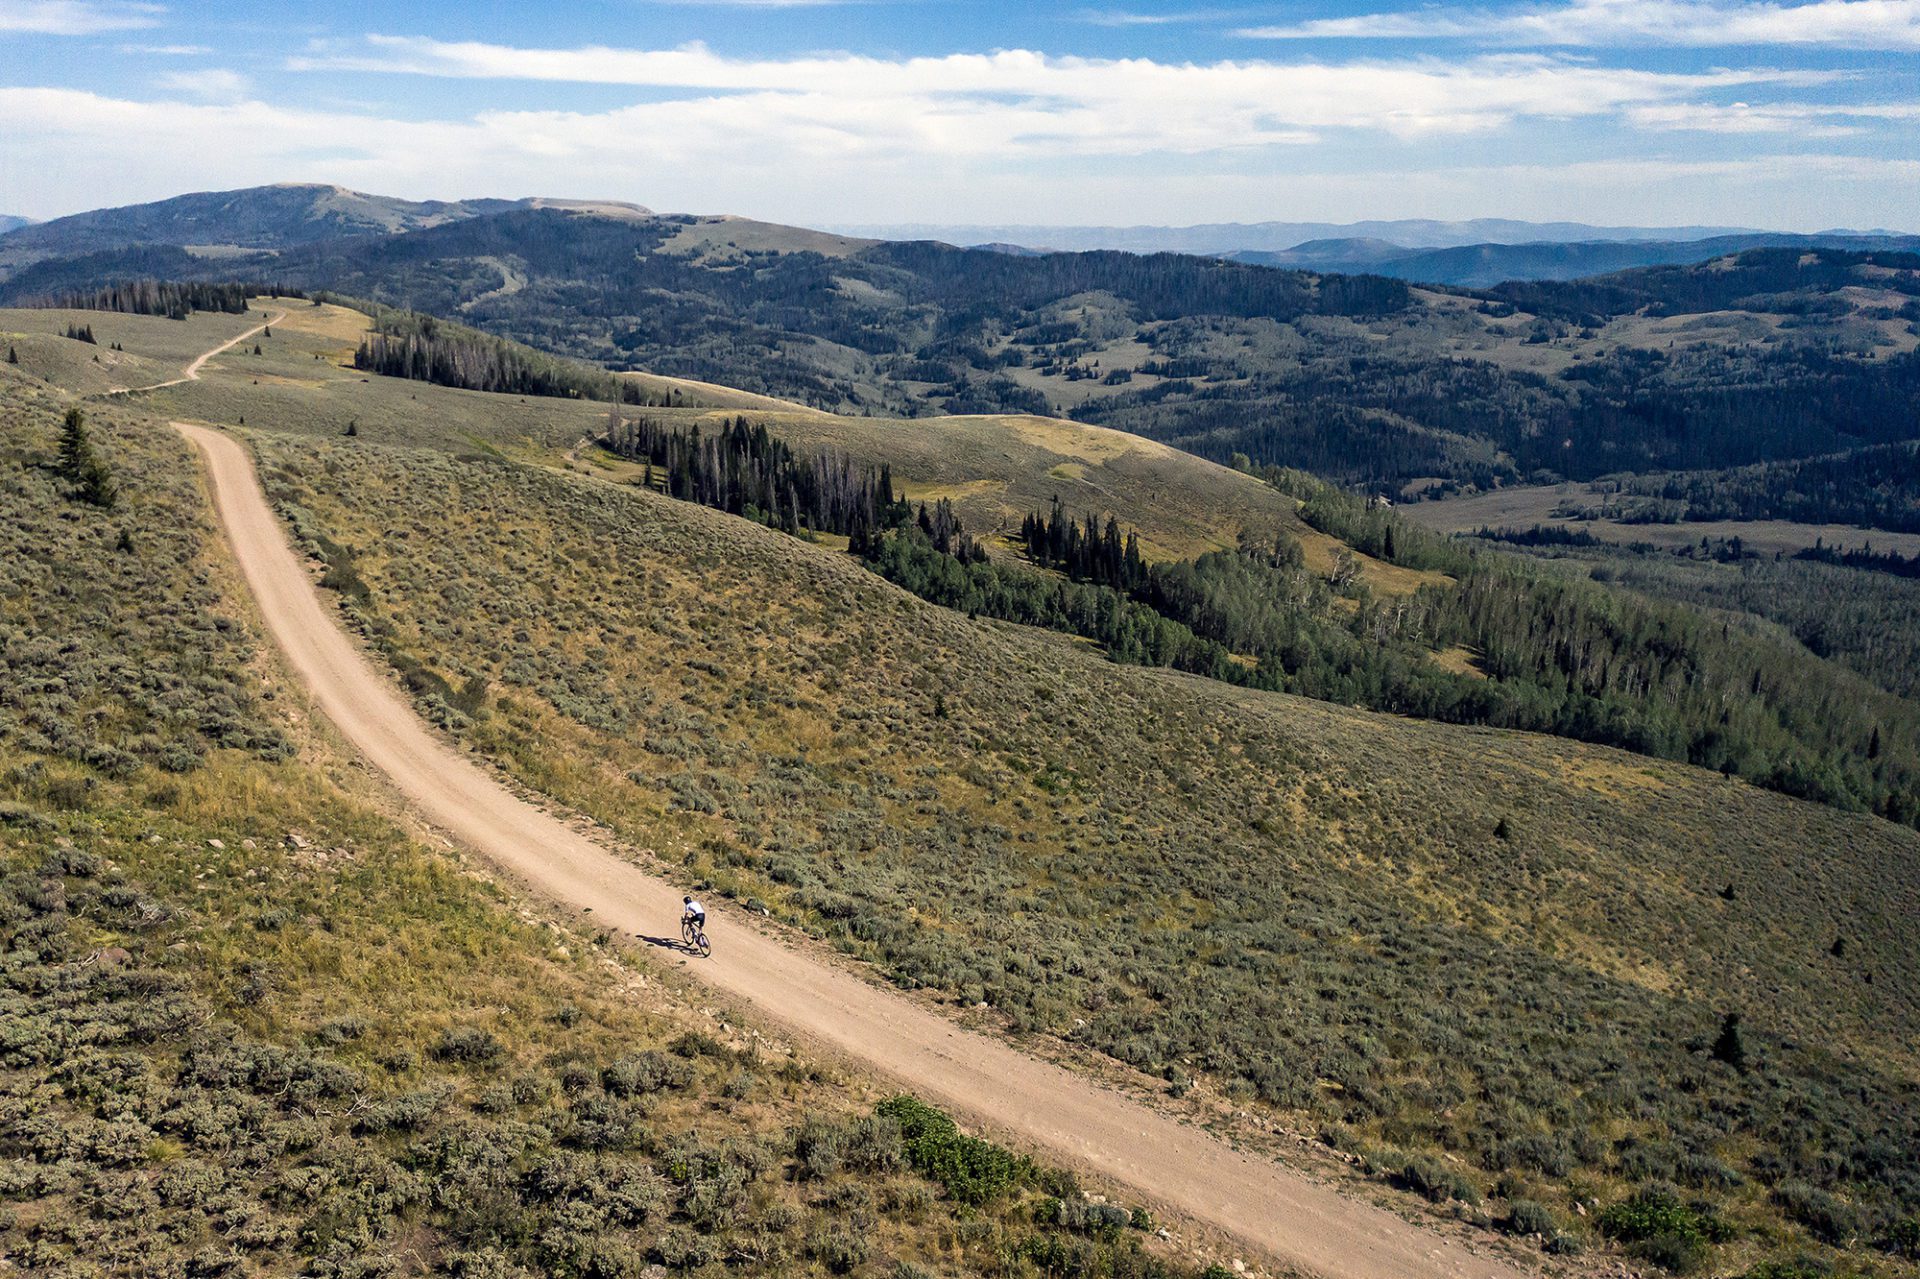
695, 908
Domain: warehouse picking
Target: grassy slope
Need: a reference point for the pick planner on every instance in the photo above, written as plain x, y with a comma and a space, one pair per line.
1292, 900
253, 1025
996, 468
156, 347
1277, 897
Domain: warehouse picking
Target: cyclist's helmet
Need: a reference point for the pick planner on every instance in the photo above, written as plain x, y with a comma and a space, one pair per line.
686, 901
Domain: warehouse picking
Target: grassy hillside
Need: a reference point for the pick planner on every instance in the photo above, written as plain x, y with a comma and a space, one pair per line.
997, 469
1505, 951
155, 348
253, 1024
1489, 967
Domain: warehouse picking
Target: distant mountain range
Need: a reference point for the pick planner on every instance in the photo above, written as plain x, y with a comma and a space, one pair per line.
270, 217
1474, 254
1484, 265
13, 222
1216, 239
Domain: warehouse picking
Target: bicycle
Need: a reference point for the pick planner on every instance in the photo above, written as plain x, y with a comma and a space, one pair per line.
695, 939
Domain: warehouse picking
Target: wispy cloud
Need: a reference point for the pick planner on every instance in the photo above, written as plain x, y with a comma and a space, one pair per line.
1800, 119
213, 84
167, 50
1852, 24
76, 17
1023, 102
1134, 18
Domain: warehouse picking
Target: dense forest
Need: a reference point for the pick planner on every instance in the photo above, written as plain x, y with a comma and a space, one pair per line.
1877, 487
1381, 419
1758, 279
1565, 657
160, 297
1863, 617
427, 349
743, 470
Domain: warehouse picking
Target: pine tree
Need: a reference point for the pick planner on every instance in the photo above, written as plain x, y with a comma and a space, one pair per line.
1729, 1047
13, 356
75, 447
81, 466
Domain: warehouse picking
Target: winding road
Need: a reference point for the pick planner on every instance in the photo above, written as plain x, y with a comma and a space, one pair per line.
1273, 1211
192, 372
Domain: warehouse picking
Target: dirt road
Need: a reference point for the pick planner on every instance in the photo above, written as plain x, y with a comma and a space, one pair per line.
192, 372
1272, 1210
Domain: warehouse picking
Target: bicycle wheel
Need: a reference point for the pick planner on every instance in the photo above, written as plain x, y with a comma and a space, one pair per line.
701, 944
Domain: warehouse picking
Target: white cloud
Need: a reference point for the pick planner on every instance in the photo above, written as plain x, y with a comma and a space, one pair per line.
1853, 24
76, 17
1801, 119
813, 158
213, 84
1019, 101
168, 50
1131, 18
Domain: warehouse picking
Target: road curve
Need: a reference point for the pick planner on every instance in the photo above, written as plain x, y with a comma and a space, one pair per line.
192, 372
1272, 1210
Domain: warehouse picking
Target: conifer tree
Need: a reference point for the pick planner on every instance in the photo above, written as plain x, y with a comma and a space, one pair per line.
1729, 1046
81, 466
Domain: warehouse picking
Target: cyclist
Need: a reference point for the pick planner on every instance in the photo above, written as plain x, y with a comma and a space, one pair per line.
694, 913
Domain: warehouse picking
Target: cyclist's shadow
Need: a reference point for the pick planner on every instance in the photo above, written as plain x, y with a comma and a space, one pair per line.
667, 943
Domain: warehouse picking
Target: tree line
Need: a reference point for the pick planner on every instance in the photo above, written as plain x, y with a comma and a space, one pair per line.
744, 470
1560, 656
426, 348
174, 299
1876, 487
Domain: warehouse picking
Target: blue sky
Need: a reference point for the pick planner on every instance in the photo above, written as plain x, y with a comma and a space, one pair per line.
1802, 114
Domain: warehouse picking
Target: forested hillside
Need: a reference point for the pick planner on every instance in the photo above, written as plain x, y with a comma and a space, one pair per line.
1767, 355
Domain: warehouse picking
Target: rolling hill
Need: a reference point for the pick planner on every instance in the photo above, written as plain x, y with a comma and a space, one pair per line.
1492, 968
1226, 238
258, 1021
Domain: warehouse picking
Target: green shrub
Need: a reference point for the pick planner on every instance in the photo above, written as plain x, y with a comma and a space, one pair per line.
1529, 1217
970, 1170
645, 1072
1791, 1268
839, 1247
469, 1045
1434, 1180
1657, 1226
1828, 1219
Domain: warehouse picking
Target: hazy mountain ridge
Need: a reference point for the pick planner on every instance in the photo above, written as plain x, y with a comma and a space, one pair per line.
1488, 264
1217, 238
